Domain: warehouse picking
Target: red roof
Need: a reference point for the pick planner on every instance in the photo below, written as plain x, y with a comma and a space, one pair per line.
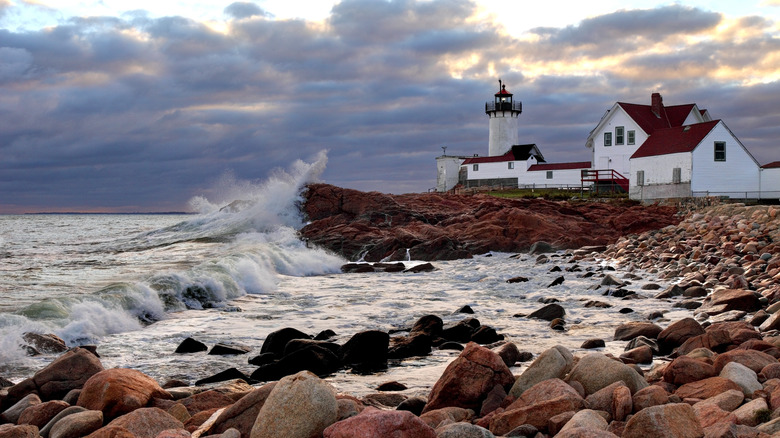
509, 156
772, 165
675, 140
670, 117
561, 166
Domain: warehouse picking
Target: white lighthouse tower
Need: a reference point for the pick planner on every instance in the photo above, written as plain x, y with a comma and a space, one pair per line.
504, 123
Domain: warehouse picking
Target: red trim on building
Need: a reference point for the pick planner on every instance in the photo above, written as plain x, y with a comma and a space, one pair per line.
772, 165
561, 166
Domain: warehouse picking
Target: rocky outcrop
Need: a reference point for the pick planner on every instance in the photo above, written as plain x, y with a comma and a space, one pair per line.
433, 226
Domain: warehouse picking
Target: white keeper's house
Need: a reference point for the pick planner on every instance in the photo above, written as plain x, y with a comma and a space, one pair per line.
651, 151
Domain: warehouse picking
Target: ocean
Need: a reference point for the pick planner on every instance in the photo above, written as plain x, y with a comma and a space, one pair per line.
137, 285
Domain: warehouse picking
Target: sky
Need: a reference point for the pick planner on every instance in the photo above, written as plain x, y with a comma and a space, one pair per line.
116, 109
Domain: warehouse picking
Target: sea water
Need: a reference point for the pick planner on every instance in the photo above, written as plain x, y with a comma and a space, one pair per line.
137, 285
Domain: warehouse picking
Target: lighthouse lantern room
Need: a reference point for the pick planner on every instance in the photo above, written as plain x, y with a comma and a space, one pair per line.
503, 113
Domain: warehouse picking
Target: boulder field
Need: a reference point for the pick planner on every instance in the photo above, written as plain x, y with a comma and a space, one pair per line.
433, 226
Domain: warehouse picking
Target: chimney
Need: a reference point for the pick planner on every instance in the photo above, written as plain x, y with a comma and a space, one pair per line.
656, 104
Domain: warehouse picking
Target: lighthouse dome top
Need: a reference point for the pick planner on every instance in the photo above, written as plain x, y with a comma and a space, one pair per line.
503, 92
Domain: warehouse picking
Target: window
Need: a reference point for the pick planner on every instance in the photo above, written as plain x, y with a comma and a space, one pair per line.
607, 139
510, 165
720, 151
640, 177
475, 167
631, 137
619, 135
549, 174
676, 175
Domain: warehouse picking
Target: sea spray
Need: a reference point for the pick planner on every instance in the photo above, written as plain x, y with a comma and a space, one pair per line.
204, 261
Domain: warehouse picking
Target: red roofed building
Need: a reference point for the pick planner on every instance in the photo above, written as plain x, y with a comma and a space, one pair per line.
702, 159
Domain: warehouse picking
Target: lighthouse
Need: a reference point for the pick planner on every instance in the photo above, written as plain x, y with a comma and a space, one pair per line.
504, 124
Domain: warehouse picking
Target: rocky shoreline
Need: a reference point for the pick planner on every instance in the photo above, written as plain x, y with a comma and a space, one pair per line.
715, 374
431, 226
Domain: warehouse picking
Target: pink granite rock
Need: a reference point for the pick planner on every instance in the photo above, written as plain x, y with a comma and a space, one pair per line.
373, 423
469, 378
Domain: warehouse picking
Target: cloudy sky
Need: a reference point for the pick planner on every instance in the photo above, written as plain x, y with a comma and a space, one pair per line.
114, 109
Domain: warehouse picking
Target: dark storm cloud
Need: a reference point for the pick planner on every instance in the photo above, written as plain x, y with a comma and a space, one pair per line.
244, 10
139, 113
623, 31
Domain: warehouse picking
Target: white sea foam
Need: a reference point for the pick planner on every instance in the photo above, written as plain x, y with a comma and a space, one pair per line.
204, 261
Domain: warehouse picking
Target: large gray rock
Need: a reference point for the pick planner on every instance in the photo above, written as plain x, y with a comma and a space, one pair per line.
586, 418
596, 371
77, 425
553, 363
12, 414
299, 406
742, 376
463, 430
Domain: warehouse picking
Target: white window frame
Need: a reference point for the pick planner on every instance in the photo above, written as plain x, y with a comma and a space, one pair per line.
640, 177
676, 175
607, 139
716, 152
620, 135
510, 165
549, 174
631, 137
475, 167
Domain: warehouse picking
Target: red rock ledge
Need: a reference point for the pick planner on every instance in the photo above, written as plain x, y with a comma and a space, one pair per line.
434, 226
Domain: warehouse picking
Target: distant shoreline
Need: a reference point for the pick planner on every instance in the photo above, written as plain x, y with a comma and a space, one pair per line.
109, 213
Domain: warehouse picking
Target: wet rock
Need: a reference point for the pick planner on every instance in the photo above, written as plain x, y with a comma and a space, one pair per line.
190, 345
486, 335
45, 343
118, 391
313, 358
222, 376
410, 346
299, 405
557, 281
467, 308
277, 340
549, 312
593, 343
366, 350
467, 380
228, 349
458, 332
424, 267
509, 353
517, 280
631, 330
325, 335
